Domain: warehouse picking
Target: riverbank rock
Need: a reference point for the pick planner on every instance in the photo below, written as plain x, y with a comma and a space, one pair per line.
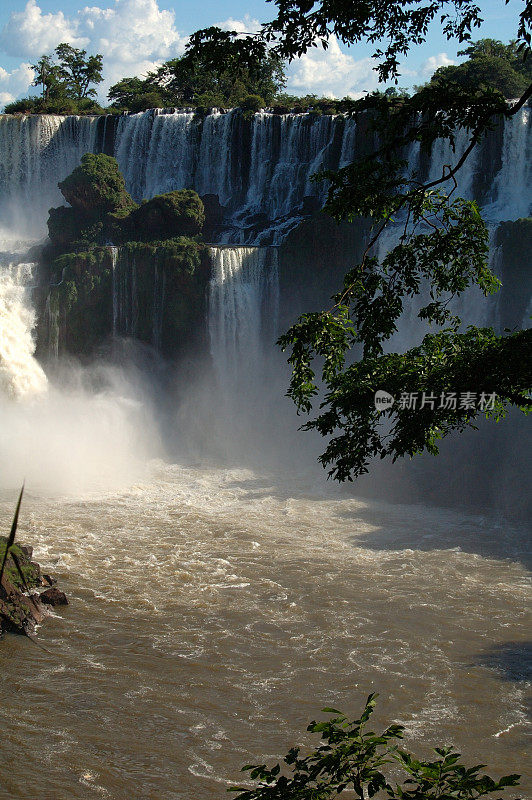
53, 597
21, 608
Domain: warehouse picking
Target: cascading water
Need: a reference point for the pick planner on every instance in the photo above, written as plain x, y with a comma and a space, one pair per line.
443, 156
262, 177
472, 306
512, 187
260, 169
21, 376
244, 417
124, 288
138, 290
114, 284
36, 153
243, 312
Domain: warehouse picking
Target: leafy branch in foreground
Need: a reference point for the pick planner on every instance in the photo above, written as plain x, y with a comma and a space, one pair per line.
439, 248
352, 759
431, 385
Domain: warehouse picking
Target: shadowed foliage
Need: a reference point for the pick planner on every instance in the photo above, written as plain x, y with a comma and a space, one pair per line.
355, 760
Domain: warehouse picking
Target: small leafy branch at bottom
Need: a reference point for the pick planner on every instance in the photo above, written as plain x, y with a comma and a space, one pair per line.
352, 758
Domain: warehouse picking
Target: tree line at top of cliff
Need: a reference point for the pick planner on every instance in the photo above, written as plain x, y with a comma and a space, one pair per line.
225, 69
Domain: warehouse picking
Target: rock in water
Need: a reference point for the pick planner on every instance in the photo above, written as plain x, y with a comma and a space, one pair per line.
53, 597
20, 608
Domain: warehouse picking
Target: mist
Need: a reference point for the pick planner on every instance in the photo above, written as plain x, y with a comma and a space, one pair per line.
95, 428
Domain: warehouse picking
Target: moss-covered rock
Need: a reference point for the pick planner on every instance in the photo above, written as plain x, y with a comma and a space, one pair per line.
64, 226
166, 216
30, 571
19, 613
149, 285
102, 211
68, 230
160, 292
85, 299
214, 216
97, 187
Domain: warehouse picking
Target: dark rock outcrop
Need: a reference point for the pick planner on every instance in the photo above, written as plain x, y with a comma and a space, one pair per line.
214, 216
53, 597
21, 608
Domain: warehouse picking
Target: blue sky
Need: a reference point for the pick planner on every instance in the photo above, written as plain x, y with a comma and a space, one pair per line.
136, 35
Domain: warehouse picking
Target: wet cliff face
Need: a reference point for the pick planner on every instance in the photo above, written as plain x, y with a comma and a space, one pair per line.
313, 260
153, 292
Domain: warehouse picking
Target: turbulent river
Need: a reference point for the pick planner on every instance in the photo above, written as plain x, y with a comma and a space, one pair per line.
215, 611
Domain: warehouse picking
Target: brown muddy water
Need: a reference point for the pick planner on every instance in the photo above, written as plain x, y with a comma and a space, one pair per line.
214, 612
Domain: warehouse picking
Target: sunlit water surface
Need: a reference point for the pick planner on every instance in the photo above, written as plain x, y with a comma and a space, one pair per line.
214, 612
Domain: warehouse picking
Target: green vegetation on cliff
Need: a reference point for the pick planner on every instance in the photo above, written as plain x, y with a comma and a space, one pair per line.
150, 285
102, 211
30, 572
97, 188
178, 213
99, 202
172, 273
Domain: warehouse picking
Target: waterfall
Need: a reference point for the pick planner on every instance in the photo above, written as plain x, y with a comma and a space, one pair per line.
472, 306
263, 178
286, 150
512, 188
243, 314
138, 293
348, 143
443, 155
36, 153
20, 374
124, 288
114, 284
260, 169
51, 316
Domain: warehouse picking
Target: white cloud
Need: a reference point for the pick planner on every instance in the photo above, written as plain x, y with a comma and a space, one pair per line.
331, 73
29, 33
433, 63
14, 84
133, 36
335, 73
245, 25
